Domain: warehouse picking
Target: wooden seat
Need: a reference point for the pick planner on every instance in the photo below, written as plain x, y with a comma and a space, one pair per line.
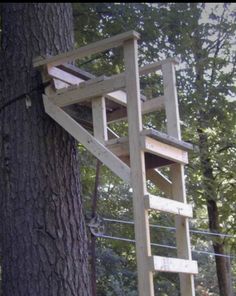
160, 149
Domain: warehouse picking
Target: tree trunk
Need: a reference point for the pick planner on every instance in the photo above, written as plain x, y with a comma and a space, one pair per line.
210, 188
43, 232
222, 263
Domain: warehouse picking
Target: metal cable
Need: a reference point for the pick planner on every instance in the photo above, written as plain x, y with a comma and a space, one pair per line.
167, 246
173, 228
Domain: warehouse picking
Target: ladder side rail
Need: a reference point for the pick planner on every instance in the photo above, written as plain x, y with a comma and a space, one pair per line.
177, 174
137, 165
100, 131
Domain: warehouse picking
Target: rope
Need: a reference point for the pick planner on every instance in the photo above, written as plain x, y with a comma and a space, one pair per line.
24, 95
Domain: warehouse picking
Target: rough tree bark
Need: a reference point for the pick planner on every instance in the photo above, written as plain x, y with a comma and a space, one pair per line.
43, 233
223, 267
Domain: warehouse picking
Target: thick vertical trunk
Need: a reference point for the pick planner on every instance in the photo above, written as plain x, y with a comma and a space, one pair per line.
210, 188
43, 235
222, 263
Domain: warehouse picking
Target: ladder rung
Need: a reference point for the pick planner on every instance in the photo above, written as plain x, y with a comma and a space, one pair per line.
164, 150
165, 264
167, 139
168, 205
162, 204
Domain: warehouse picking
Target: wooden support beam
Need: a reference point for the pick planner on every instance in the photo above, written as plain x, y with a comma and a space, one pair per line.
167, 139
58, 84
166, 264
177, 176
137, 165
158, 179
87, 50
86, 139
77, 94
161, 149
118, 96
99, 119
64, 76
148, 106
150, 68
167, 205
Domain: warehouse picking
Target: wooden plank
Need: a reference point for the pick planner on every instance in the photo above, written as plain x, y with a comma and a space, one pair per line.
118, 96
152, 105
95, 80
86, 139
167, 205
87, 50
137, 165
164, 138
166, 151
150, 68
58, 84
177, 177
73, 70
158, 179
171, 102
99, 119
78, 94
166, 264
119, 149
148, 106
64, 76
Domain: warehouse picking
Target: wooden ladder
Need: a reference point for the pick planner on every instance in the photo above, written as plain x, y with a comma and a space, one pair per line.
134, 158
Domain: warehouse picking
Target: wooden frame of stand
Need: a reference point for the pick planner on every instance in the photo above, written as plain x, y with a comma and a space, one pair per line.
126, 157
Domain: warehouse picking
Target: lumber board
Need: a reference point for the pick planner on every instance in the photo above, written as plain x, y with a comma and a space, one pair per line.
177, 176
161, 181
167, 205
77, 94
117, 96
87, 50
150, 68
86, 139
164, 150
64, 76
165, 138
137, 165
148, 106
58, 84
99, 119
166, 264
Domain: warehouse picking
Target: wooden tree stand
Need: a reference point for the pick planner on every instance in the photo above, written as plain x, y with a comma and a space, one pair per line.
133, 158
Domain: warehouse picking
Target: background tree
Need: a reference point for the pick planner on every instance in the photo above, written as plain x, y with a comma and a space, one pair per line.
203, 38
43, 235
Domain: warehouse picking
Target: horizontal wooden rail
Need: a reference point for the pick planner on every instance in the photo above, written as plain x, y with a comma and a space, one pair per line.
163, 150
150, 68
161, 181
78, 94
166, 264
87, 50
167, 205
155, 104
165, 138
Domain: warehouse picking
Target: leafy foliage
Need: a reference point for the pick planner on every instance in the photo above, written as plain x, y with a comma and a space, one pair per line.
203, 39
